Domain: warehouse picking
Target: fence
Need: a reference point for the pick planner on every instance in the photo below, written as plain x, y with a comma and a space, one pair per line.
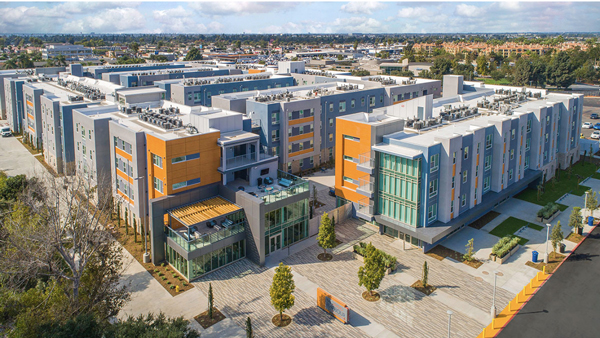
340, 213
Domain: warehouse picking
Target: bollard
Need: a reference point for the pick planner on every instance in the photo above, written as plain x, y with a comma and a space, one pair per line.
177, 289
544, 269
484, 331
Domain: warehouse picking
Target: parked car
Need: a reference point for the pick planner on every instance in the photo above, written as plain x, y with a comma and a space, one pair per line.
596, 134
5, 131
597, 126
587, 125
594, 116
332, 191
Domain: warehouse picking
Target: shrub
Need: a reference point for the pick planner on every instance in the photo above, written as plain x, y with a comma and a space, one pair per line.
163, 278
161, 274
156, 270
168, 282
172, 287
548, 210
504, 246
167, 269
162, 264
388, 260
184, 284
174, 275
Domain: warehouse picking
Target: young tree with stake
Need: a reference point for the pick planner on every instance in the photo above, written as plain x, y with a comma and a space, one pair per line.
557, 236
326, 236
425, 274
210, 301
248, 328
282, 288
371, 274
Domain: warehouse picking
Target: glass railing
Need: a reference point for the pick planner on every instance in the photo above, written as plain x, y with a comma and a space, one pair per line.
205, 240
366, 160
240, 160
296, 185
365, 206
365, 183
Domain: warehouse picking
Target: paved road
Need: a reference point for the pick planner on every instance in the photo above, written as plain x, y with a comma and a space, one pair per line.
15, 159
567, 305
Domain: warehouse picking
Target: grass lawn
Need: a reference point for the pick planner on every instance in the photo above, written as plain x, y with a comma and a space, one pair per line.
565, 185
596, 176
575, 238
510, 225
489, 80
440, 252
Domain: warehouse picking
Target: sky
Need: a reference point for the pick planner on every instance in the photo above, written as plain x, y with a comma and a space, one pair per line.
298, 17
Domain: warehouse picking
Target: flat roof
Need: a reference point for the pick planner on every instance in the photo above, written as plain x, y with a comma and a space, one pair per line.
398, 150
140, 91
205, 210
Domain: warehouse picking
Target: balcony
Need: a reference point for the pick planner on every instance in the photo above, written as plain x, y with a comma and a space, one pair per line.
195, 243
366, 186
285, 186
365, 209
232, 163
366, 163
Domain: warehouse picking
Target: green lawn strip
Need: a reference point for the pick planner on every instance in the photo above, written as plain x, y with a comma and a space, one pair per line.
522, 241
561, 207
508, 227
563, 186
596, 176
487, 80
535, 226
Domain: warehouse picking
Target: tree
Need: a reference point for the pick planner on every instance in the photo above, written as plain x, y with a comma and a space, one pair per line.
193, 54
135, 47
355, 45
469, 255
592, 201
315, 196
248, 328
540, 191
560, 71
134, 230
425, 274
575, 219
282, 288
371, 273
210, 301
482, 65
522, 73
326, 236
54, 235
557, 236
126, 222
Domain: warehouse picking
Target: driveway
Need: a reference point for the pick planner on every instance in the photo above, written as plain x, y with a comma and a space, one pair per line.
568, 303
16, 160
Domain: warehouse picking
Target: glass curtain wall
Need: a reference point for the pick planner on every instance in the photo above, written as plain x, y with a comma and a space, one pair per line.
290, 222
399, 188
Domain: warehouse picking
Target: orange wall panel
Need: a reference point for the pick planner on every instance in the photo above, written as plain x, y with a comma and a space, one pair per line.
300, 137
353, 149
125, 155
302, 120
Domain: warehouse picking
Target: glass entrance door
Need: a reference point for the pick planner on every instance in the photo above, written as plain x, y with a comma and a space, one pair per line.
275, 243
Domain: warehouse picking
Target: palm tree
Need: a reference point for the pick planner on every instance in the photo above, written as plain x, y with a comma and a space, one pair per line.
10, 64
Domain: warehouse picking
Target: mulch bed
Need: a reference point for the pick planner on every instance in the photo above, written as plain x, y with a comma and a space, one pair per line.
31, 150
483, 220
278, 321
325, 257
554, 260
206, 322
426, 290
371, 297
575, 238
137, 251
440, 252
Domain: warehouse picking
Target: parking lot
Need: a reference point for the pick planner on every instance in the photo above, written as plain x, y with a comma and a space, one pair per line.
591, 106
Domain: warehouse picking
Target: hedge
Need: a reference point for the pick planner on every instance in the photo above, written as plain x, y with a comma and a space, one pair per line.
504, 246
549, 210
388, 260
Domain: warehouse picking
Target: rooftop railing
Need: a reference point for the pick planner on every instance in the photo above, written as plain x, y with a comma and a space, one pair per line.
208, 239
295, 185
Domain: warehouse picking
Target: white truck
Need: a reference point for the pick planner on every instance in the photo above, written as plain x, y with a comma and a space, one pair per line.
5, 131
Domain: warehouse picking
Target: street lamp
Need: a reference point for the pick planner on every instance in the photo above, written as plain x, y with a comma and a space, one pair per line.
547, 238
493, 311
450, 313
585, 205
146, 254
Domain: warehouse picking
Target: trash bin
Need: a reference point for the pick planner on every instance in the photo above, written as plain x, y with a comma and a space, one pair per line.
562, 248
534, 256
590, 221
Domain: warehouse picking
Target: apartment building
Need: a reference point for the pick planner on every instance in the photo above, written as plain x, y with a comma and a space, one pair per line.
148, 78
195, 92
4, 74
13, 94
95, 72
32, 119
425, 170
298, 123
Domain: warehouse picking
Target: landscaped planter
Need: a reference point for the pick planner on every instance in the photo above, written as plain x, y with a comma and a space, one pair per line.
543, 220
492, 257
514, 250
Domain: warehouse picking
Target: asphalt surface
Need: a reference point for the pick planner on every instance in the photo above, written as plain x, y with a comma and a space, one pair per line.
568, 305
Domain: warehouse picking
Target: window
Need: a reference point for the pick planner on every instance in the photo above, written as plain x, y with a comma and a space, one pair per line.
348, 179
330, 137
348, 158
433, 188
275, 135
465, 175
486, 184
90, 134
547, 119
157, 160
312, 127
301, 130
331, 122
372, 101
353, 103
526, 162
434, 163
274, 150
380, 98
476, 170
454, 157
527, 144
301, 113
510, 174
289, 131
274, 118
478, 144
290, 115
185, 158
432, 212
451, 207
512, 134
463, 200
351, 138
301, 145
158, 184
342, 106
488, 141
289, 148
312, 111
186, 183
545, 154
453, 184
512, 154
331, 107
362, 101
528, 126
466, 153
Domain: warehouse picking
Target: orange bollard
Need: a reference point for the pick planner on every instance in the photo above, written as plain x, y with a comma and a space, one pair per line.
484, 331
544, 269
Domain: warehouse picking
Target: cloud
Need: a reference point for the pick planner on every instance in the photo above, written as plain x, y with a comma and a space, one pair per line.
357, 24
412, 12
112, 20
181, 20
357, 7
469, 11
226, 8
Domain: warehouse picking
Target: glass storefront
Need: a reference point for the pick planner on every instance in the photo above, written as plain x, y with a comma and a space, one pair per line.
398, 234
208, 262
286, 226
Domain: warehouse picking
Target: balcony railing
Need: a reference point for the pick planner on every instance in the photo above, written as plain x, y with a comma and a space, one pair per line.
240, 160
366, 160
365, 206
366, 183
203, 241
298, 185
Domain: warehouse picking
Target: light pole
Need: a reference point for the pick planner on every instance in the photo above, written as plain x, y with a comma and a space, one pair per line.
146, 254
585, 206
450, 313
493, 311
547, 238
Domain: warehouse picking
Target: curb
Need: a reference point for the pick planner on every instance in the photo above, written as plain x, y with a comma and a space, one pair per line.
549, 276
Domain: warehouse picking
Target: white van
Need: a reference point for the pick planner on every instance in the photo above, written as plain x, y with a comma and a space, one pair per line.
5, 132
